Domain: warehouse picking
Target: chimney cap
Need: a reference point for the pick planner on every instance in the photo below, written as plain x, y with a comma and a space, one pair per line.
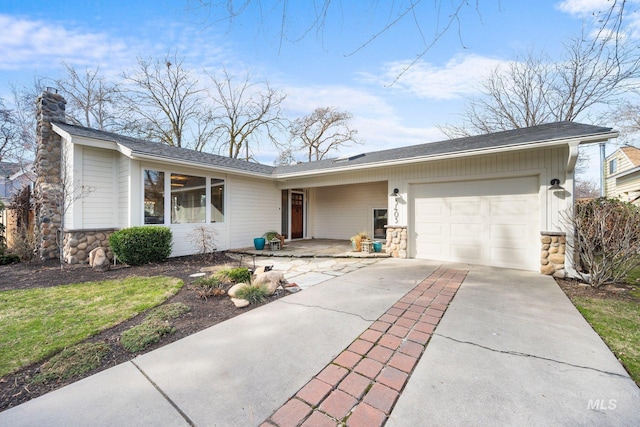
51, 89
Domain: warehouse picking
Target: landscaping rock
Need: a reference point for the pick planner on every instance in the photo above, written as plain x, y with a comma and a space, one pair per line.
270, 279
232, 291
240, 303
98, 259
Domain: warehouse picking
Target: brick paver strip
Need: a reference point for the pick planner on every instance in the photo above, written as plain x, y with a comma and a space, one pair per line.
314, 392
318, 419
366, 416
365, 380
360, 346
355, 384
333, 374
291, 414
338, 404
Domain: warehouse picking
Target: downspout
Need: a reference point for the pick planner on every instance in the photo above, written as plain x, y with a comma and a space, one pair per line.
571, 165
602, 158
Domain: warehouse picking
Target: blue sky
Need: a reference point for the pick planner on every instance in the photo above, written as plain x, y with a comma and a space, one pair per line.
324, 68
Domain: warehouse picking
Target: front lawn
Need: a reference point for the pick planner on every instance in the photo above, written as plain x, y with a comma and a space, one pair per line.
37, 323
618, 324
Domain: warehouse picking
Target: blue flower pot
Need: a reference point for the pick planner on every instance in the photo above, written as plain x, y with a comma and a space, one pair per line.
259, 242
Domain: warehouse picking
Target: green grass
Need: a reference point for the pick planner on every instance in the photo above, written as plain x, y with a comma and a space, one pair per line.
37, 323
618, 323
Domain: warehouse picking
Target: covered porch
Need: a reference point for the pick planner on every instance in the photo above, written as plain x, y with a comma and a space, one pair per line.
312, 248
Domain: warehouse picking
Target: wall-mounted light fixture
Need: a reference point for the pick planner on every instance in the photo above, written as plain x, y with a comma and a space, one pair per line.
395, 193
555, 184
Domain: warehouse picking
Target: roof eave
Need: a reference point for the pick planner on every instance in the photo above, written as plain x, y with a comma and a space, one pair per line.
148, 157
584, 139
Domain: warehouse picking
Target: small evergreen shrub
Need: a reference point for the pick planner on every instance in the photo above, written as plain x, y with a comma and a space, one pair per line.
71, 362
141, 245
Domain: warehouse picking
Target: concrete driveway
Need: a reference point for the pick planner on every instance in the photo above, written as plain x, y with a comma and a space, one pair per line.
510, 349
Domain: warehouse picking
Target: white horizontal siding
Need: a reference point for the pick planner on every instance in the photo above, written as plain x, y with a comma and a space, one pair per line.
253, 209
342, 211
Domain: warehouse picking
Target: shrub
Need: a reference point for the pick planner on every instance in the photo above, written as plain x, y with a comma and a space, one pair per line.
209, 287
255, 294
607, 239
235, 275
168, 311
9, 259
141, 245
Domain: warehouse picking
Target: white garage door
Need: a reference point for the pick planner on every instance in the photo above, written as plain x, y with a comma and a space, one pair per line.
490, 222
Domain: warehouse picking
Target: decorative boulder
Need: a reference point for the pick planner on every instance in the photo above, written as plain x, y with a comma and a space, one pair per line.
238, 302
271, 280
98, 259
232, 291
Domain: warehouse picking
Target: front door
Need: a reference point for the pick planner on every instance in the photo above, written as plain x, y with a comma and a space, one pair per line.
297, 215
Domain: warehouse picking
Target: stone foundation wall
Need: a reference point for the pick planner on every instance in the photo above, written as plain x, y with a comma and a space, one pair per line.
552, 253
78, 244
396, 244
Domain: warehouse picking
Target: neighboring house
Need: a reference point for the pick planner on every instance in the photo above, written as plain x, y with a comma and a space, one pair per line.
622, 175
483, 200
12, 178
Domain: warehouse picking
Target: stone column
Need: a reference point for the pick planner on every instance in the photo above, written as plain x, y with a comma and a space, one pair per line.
552, 254
48, 187
396, 244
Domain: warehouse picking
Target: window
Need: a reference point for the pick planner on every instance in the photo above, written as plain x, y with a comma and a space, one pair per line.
188, 199
153, 197
217, 200
613, 165
379, 221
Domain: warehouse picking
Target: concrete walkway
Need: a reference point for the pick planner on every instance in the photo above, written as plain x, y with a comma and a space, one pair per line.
509, 350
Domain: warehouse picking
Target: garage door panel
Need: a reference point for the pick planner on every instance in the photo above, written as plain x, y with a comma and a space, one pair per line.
509, 232
466, 231
465, 208
491, 222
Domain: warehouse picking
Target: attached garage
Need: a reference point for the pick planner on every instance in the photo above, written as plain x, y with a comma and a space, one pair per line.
489, 222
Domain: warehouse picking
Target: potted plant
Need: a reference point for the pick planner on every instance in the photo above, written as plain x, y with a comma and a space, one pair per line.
356, 241
258, 243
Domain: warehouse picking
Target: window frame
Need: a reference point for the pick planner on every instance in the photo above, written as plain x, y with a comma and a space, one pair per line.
167, 218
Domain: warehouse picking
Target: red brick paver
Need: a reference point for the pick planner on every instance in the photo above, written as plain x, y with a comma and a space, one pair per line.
364, 381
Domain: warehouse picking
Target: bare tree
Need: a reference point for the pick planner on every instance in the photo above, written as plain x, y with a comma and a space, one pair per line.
9, 132
91, 98
244, 113
586, 189
324, 130
626, 117
534, 90
165, 104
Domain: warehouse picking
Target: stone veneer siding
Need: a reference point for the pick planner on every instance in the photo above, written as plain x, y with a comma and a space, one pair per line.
552, 254
48, 186
396, 244
78, 244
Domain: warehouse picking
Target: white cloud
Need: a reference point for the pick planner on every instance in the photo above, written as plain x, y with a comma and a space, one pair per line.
457, 78
583, 7
27, 43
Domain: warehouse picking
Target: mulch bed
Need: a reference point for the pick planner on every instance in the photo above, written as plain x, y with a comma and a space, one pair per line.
17, 388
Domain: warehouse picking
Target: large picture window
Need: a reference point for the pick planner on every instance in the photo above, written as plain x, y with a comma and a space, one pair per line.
217, 200
153, 197
188, 199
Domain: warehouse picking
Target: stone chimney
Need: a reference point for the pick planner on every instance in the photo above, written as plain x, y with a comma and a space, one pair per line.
50, 107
